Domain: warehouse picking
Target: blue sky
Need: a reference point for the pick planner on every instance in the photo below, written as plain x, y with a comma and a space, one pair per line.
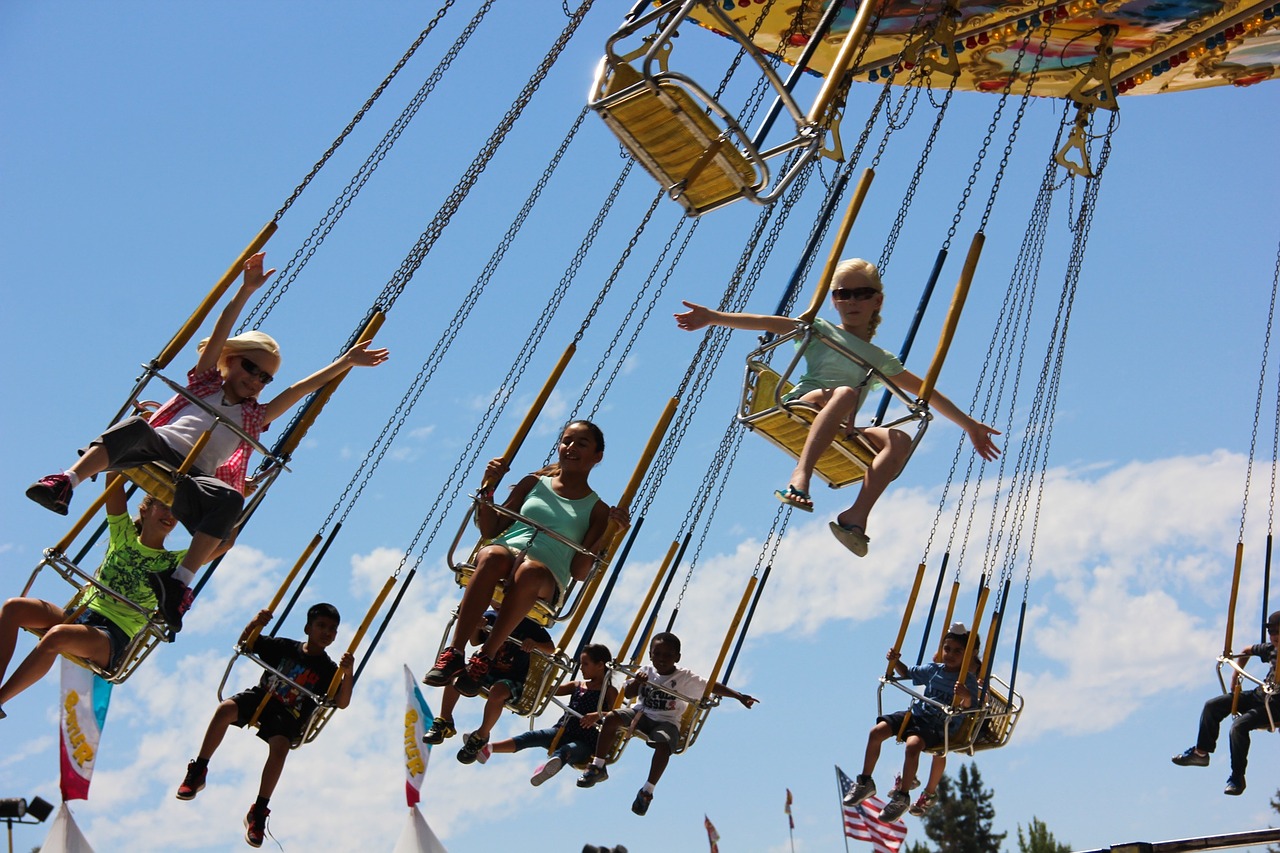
144, 144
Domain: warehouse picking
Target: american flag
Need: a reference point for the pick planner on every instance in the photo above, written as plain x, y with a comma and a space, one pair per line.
860, 821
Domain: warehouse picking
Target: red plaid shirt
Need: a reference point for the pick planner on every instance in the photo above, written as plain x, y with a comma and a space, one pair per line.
234, 470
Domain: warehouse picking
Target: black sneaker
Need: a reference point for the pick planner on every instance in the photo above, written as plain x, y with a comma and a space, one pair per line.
52, 492
441, 729
898, 803
1191, 758
170, 598
593, 774
640, 805
864, 786
255, 825
448, 664
1235, 786
474, 677
471, 749
193, 782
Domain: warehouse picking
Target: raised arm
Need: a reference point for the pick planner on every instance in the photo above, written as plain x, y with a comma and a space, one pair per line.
724, 690
117, 503
979, 433
699, 317
254, 277
358, 356
259, 621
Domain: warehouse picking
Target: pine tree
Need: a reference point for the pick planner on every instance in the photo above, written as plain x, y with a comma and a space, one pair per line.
1039, 839
960, 820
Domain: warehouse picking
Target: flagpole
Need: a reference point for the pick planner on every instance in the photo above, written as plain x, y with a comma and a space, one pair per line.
840, 799
791, 823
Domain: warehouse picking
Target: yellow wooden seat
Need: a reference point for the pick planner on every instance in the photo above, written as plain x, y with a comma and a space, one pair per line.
699, 163
787, 427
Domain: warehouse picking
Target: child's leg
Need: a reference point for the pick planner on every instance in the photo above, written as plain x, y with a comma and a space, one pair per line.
223, 717
936, 769
19, 613
894, 447
658, 764
94, 461
608, 733
532, 582
277, 752
879, 734
493, 564
448, 701
493, 708
837, 405
79, 640
911, 760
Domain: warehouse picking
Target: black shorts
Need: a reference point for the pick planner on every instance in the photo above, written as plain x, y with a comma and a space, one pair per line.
275, 720
930, 733
116, 637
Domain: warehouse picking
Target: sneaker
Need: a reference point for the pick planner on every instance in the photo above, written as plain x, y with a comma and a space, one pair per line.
193, 782
255, 825
923, 804
594, 774
448, 664
469, 681
483, 755
1191, 758
440, 730
898, 802
471, 749
1235, 786
52, 492
170, 597
852, 537
898, 786
640, 805
863, 787
552, 767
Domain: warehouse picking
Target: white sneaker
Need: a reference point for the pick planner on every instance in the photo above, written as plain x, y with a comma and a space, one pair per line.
546, 771
898, 803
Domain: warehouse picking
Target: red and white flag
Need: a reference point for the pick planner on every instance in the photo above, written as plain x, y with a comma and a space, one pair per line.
861, 821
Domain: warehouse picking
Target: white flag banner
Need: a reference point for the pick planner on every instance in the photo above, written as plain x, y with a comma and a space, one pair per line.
82, 714
416, 717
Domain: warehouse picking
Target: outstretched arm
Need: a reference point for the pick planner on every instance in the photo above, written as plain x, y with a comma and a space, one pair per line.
358, 356
723, 690
699, 317
979, 433
254, 277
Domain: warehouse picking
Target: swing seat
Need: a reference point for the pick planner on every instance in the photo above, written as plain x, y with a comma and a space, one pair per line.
691, 723
993, 726
324, 704
786, 424
678, 131
140, 645
545, 613
701, 165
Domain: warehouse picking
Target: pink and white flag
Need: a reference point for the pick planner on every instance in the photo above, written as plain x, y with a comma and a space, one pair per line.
416, 717
83, 713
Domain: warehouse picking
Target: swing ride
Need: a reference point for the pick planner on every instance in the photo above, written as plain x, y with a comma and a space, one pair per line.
704, 156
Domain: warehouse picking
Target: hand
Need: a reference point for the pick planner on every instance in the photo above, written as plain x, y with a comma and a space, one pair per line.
963, 699
747, 700
980, 434
528, 645
893, 655
590, 721
697, 317
640, 678
347, 662
361, 356
254, 277
261, 620
621, 515
495, 470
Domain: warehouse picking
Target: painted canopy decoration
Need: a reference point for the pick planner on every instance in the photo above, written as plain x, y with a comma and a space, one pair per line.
1157, 45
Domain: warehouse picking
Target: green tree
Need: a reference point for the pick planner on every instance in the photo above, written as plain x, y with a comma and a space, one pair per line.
1039, 839
960, 820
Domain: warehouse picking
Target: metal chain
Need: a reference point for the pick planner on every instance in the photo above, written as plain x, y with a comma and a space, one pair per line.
280, 284
1257, 412
431, 25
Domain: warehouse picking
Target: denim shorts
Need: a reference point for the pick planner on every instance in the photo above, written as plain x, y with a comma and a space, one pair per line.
116, 637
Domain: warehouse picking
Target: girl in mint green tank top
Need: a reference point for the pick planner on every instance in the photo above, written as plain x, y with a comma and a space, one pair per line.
531, 565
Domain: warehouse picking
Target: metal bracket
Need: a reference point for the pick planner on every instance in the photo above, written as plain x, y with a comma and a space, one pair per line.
1097, 78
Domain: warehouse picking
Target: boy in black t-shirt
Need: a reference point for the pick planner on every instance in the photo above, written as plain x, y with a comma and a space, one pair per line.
284, 717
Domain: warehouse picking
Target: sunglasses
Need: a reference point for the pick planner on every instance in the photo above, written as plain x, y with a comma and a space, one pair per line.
255, 371
861, 294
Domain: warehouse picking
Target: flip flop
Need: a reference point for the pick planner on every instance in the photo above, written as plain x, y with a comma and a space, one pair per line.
795, 498
852, 537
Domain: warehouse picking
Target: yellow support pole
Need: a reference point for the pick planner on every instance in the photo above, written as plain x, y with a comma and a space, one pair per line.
361, 631
64, 544
835, 77
730, 634
284, 587
1231, 625
973, 634
194, 322
837, 246
522, 432
906, 616
648, 600
322, 396
953, 315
